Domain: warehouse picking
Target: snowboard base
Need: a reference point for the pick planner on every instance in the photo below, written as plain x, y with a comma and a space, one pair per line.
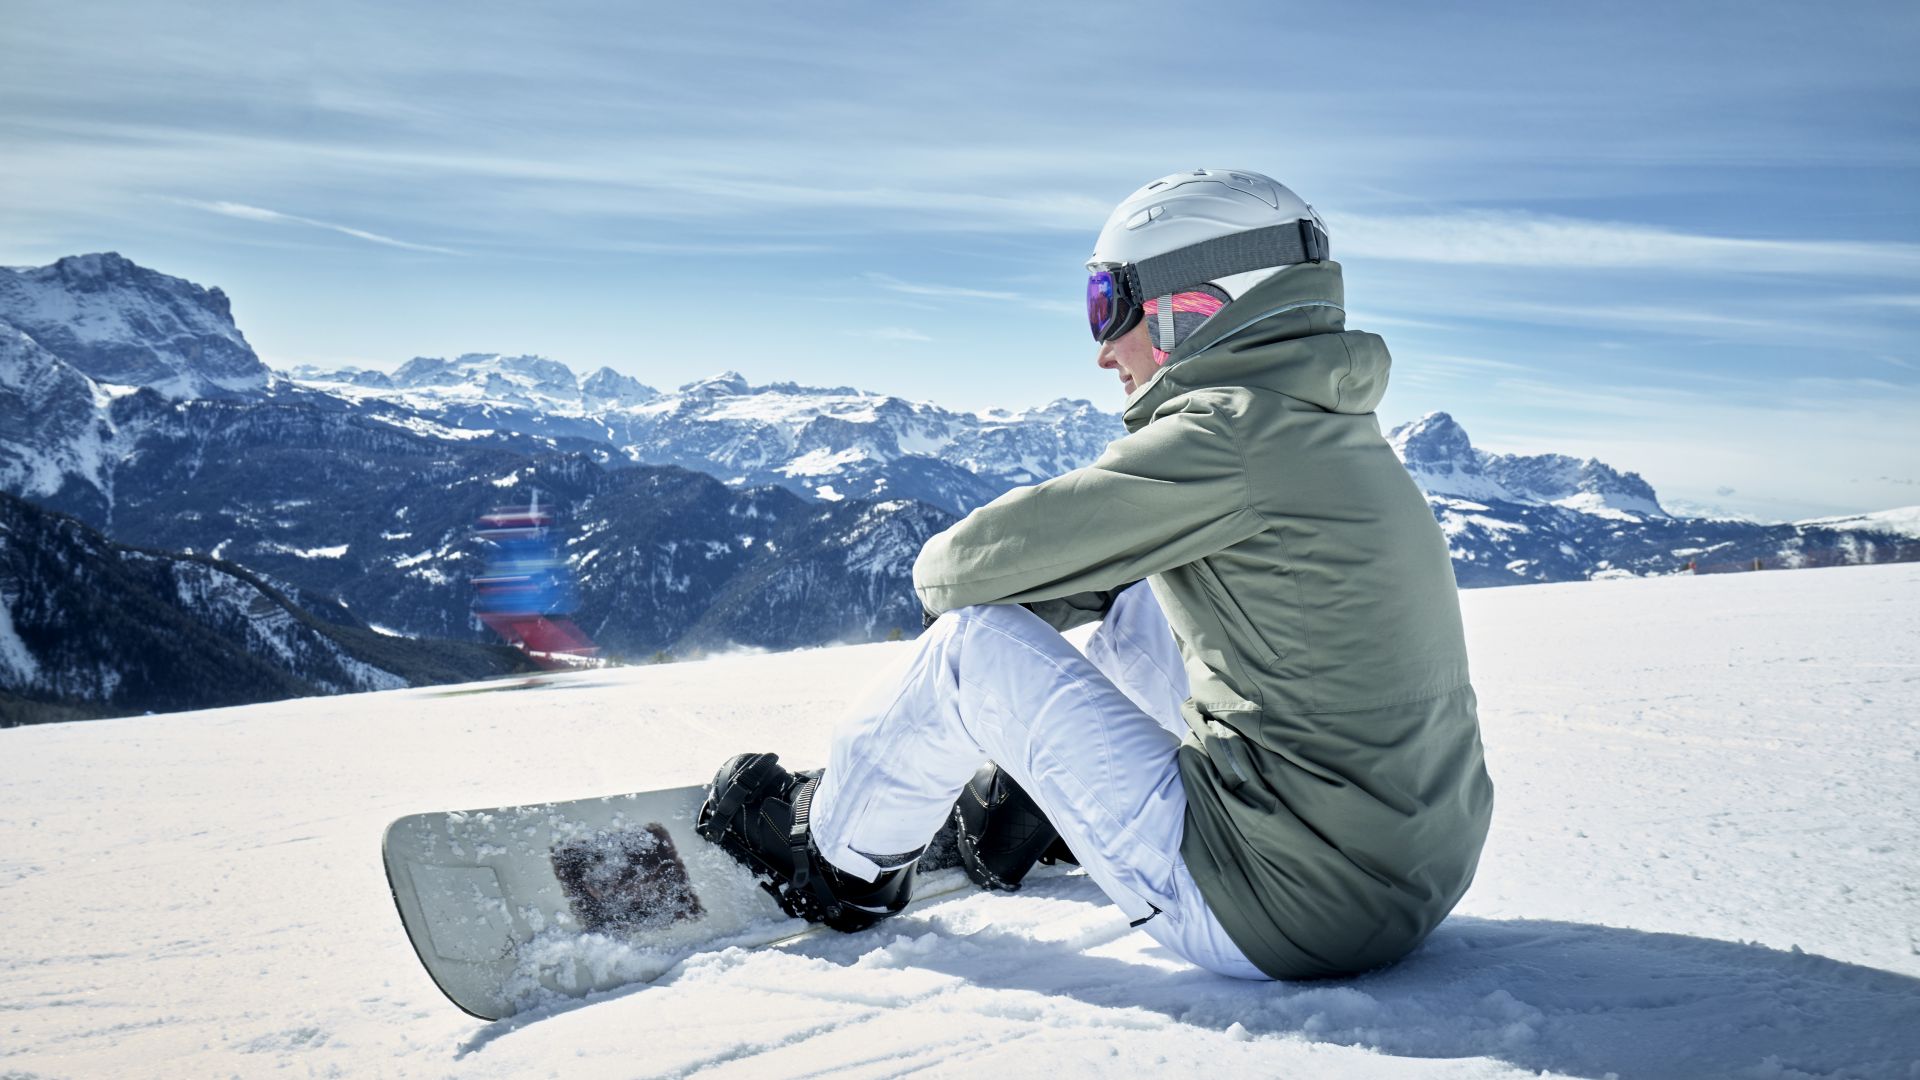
515, 907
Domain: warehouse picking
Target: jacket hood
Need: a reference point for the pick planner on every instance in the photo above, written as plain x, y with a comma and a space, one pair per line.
1287, 334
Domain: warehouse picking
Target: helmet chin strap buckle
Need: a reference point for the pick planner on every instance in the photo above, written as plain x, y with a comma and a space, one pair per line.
1313, 241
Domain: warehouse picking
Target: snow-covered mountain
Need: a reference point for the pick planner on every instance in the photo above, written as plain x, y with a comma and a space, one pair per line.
56, 427
1443, 461
1516, 518
126, 325
837, 443
827, 443
91, 627
312, 492
352, 492
1900, 521
485, 381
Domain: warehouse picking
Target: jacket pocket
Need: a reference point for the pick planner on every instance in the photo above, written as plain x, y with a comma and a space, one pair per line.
1218, 740
1246, 634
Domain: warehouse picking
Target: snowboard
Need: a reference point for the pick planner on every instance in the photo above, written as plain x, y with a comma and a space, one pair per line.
517, 907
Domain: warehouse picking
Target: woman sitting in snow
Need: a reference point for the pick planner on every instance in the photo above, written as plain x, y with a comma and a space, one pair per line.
1267, 754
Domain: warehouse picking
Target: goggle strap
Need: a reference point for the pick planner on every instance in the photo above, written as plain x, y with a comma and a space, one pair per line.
1210, 260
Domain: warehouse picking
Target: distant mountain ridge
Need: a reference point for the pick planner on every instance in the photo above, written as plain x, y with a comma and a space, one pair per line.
1443, 461
828, 443
1517, 518
91, 627
310, 491
486, 379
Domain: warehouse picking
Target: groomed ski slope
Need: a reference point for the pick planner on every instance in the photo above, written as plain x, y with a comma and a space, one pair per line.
1705, 862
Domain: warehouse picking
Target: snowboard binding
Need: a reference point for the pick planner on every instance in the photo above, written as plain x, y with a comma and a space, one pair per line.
758, 813
1002, 832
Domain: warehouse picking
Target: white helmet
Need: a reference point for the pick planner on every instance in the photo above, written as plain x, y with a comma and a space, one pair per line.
1231, 228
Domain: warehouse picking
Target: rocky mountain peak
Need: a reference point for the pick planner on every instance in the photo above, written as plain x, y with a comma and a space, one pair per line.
1444, 461
1585, 484
121, 323
1434, 439
727, 382
608, 388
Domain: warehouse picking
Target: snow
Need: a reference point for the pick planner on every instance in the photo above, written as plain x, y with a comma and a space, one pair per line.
823, 462
1704, 863
923, 444
1461, 485
793, 410
1901, 521
15, 658
366, 675
1613, 507
334, 551
419, 425
1458, 516
63, 441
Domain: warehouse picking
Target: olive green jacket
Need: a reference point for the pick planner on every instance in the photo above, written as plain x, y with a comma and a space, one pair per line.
1336, 796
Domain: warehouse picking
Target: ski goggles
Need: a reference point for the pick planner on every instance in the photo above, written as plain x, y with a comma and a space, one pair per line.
1112, 308
1115, 293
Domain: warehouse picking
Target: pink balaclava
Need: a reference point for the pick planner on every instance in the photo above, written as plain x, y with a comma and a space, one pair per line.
1190, 309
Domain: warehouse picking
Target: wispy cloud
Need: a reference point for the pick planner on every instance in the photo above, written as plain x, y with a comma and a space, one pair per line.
1477, 364
258, 213
1648, 316
889, 333
716, 247
961, 292
1362, 318
1513, 238
1896, 301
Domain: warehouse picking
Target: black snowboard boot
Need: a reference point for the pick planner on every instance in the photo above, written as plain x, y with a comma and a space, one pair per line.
757, 811
1002, 832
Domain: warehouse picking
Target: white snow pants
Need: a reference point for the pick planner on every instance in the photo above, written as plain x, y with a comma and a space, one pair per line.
1090, 736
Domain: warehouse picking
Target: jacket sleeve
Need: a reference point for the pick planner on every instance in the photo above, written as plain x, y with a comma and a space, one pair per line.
1166, 495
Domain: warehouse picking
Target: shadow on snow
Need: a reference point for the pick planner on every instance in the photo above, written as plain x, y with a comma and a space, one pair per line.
1573, 998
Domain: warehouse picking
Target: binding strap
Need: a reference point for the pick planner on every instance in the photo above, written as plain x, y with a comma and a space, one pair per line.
797, 840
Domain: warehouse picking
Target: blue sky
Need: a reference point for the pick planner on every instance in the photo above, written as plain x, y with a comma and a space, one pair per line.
1679, 237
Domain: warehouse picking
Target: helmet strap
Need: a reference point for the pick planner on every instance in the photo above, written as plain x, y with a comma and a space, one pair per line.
1223, 256
1163, 324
